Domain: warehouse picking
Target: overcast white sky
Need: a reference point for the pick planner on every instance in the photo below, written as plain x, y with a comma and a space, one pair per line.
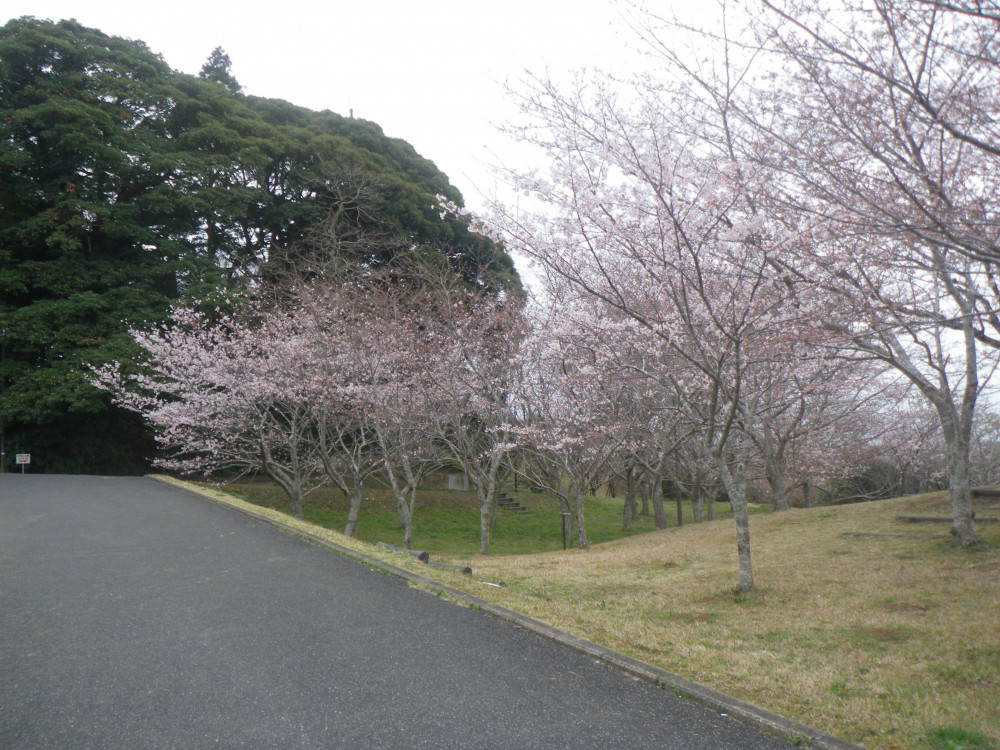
427, 71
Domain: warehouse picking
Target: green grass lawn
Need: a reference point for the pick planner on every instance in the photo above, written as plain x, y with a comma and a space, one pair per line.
446, 522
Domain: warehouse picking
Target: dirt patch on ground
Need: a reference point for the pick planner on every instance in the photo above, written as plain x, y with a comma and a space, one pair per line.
885, 635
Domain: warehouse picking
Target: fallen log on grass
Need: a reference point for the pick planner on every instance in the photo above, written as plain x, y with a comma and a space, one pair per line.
937, 519
894, 536
422, 556
447, 566
986, 492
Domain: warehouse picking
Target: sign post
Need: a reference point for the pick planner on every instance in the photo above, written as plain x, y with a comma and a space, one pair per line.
23, 459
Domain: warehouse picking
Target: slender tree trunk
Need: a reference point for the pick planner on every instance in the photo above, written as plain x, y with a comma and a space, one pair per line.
644, 495
398, 492
632, 487
659, 514
680, 511
408, 531
568, 515
486, 490
740, 478
404, 510
807, 495
404, 490
742, 519
484, 528
581, 528
697, 500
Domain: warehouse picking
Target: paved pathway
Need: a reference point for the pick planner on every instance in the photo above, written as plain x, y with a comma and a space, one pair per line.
135, 615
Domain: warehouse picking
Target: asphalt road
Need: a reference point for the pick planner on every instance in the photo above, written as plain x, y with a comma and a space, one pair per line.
135, 615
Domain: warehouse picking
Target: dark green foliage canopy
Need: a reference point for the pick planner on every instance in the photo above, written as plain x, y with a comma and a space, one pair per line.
125, 186
219, 68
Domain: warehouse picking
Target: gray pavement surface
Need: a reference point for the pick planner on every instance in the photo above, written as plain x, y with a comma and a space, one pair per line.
136, 615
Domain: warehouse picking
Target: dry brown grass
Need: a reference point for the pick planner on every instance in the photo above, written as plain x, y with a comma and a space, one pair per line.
876, 640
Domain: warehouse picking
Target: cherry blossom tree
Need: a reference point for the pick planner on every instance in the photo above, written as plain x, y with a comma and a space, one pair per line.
227, 394
692, 477
805, 405
985, 456
644, 215
371, 343
877, 125
886, 130
575, 413
470, 384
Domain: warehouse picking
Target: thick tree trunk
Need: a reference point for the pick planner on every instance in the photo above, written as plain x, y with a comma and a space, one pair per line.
295, 502
956, 427
776, 478
289, 481
353, 511
962, 526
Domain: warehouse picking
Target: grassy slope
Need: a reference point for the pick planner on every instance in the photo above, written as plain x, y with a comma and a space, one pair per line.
878, 640
447, 522
881, 641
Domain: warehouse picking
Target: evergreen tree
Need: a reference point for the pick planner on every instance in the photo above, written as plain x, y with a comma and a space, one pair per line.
92, 234
219, 68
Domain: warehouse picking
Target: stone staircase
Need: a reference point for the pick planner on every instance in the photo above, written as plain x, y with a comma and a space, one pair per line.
506, 502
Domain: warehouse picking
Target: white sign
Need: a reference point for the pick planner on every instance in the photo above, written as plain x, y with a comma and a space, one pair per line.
24, 458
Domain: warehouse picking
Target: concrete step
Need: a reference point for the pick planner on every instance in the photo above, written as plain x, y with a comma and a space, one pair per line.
508, 503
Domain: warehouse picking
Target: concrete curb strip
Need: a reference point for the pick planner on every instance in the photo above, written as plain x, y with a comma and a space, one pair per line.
746, 713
